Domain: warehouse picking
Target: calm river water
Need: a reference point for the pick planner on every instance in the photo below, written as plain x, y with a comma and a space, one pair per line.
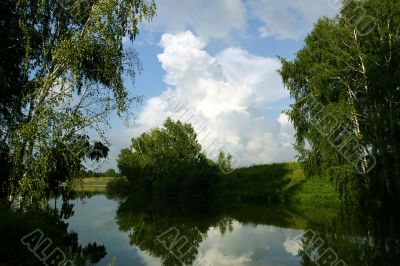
169, 232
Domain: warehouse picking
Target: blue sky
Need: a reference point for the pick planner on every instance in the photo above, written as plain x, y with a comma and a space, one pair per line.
217, 60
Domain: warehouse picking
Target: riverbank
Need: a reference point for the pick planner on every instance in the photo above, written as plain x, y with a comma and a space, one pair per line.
92, 184
282, 183
96, 180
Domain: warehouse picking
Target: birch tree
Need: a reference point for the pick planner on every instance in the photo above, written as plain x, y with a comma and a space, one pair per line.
72, 63
345, 83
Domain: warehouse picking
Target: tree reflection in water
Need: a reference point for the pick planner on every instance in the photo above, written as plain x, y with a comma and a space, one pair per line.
358, 238
50, 223
174, 229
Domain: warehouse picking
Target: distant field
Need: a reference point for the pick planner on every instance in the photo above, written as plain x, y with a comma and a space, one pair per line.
92, 184
96, 180
90, 188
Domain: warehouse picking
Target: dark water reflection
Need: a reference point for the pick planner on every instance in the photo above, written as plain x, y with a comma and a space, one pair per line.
139, 231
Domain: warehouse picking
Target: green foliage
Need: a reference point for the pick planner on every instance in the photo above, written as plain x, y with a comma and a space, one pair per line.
154, 224
225, 162
16, 225
268, 184
107, 173
314, 191
110, 173
5, 171
358, 237
345, 83
11, 68
119, 187
260, 183
63, 64
168, 159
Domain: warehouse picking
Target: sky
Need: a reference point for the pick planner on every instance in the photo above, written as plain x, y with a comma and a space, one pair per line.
213, 63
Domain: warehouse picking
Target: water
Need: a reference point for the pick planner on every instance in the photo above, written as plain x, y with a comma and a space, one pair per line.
139, 231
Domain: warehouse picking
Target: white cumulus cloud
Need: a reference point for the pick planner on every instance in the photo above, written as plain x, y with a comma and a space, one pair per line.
207, 18
224, 97
292, 246
291, 19
284, 19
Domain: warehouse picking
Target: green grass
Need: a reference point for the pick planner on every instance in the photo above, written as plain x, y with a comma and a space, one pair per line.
96, 180
90, 188
315, 190
271, 183
93, 184
259, 182
87, 181
279, 182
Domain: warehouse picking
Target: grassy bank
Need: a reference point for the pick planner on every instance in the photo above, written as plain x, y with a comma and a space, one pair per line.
90, 188
315, 190
273, 183
96, 180
92, 184
280, 182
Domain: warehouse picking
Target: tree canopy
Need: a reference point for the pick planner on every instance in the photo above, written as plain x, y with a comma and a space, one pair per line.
168, 156
63, 65
346, 87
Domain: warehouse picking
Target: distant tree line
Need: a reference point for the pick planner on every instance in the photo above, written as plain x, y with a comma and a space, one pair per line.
107, 173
